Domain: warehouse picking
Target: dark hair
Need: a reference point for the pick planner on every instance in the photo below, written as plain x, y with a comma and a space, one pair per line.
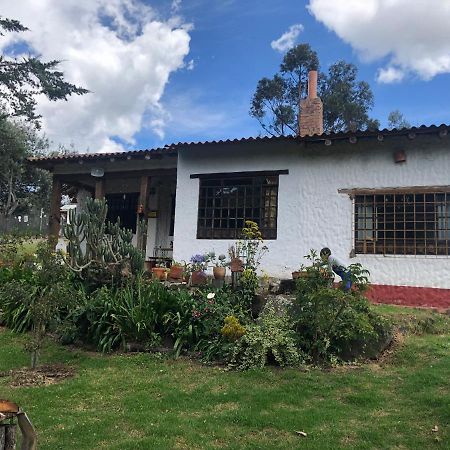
325, 252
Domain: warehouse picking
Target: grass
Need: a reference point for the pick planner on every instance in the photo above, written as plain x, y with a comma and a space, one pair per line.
143, 401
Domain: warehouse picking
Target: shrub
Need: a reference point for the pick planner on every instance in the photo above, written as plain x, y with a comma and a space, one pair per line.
232, 329
133, 312
15, 296
37, 297
197, 321
332, 323
271, 339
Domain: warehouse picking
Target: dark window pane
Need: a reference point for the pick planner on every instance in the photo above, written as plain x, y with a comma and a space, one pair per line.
124, 208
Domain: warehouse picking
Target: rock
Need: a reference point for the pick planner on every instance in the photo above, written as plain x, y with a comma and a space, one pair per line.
274, 285
369, 349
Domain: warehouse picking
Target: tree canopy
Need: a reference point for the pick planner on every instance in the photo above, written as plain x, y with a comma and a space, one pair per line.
347, 101
396, 119
21, 80
22, 186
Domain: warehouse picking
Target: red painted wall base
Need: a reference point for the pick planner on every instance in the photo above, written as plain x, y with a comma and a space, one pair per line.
410, 296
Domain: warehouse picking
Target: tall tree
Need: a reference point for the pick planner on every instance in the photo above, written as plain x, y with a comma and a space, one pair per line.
22, 187
346, 100
22, 80
396, 119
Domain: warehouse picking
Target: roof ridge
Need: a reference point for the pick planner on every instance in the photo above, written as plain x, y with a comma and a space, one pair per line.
174, 147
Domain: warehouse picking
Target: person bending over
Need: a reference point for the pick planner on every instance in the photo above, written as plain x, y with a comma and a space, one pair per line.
337, 267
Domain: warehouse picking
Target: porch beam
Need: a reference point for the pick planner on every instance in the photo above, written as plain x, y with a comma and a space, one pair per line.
125, 174
54, 220
142, 213
100, 189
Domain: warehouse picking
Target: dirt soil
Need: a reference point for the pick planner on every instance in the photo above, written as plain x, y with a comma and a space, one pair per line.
41, 376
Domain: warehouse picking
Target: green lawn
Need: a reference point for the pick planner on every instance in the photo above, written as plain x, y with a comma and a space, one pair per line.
145, 402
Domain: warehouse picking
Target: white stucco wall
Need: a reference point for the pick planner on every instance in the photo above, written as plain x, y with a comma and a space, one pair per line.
311, 212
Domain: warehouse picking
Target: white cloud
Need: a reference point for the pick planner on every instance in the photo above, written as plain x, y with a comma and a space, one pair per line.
414, 35
190, 65
287, 39
175, 6
118, 49
390, 75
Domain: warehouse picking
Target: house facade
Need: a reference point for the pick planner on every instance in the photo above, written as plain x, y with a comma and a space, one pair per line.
382, 200
379, 198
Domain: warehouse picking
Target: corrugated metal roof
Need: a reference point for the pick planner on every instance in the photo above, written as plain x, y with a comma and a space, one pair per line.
172, 149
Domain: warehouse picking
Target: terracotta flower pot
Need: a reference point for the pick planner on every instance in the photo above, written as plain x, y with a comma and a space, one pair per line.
236, 265
198, 278
219, 272
176, 272
159, 273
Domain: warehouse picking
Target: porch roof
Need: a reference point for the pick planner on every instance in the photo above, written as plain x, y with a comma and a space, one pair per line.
171, 150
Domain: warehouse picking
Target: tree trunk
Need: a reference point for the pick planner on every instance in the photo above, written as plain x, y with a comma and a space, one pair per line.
7, 437
34, 359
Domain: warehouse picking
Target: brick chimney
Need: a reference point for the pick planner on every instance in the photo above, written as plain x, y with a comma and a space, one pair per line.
311, 109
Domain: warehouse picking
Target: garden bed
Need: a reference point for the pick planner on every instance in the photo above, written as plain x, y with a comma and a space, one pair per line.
41, 376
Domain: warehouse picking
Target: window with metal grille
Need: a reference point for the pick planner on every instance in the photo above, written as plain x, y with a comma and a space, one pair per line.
228, 200
403, 223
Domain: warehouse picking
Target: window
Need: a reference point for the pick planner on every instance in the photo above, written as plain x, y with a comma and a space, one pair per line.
226, 201
403, 223
124, 207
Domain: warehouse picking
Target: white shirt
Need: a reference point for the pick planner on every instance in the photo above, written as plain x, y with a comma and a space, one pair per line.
334, 262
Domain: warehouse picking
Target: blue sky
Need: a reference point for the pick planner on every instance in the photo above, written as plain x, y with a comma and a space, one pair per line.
174, 71
230, 46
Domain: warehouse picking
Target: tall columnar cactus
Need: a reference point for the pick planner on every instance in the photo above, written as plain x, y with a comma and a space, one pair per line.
100, 251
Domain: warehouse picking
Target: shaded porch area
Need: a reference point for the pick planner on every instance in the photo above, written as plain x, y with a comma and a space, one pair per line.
139, 188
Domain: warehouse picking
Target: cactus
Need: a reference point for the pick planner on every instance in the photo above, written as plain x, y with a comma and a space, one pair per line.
99, 251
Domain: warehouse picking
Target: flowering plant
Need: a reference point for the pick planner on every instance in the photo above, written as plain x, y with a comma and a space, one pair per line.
221, 261
199, 263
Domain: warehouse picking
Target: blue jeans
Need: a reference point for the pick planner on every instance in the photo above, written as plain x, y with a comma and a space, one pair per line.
345, 276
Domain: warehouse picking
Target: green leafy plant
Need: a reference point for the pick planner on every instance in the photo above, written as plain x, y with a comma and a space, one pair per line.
133, 312
38, 299
197, 321
250, 249
14, 299
270, 339
329, 321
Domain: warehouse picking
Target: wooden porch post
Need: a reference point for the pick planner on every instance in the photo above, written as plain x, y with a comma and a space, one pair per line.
54, 220
142, 213
99, 189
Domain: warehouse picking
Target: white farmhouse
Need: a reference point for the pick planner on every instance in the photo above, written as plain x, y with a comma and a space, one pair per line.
380, 198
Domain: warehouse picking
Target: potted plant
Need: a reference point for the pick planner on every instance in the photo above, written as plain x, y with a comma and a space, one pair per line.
199, 264
176, 271
219, 270
236, 263
160, 271
299, 274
